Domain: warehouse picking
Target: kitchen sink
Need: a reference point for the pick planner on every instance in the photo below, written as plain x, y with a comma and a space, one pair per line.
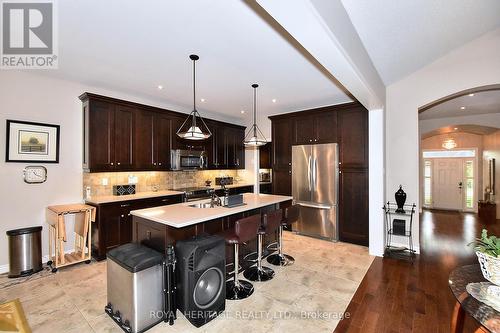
202, 205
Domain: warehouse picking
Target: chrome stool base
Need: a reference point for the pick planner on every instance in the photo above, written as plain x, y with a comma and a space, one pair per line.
280, 259
259, 275
238, 291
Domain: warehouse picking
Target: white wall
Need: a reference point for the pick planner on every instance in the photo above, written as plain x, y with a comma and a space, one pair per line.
472, 65
31, 97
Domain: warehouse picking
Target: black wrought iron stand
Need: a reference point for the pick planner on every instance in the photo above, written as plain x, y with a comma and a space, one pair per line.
391, 212
170, 306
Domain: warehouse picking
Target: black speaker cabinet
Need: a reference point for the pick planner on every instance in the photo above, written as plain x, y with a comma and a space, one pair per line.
201, 283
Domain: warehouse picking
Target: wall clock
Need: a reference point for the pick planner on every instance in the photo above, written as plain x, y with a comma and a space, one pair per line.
35, 174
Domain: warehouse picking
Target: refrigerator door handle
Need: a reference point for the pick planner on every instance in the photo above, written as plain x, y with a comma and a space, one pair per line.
315, 173
314, 205
309, 172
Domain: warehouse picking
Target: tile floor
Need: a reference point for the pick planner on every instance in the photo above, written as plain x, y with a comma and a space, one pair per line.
320, 283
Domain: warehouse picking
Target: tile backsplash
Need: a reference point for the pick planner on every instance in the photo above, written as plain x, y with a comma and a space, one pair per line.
161, 180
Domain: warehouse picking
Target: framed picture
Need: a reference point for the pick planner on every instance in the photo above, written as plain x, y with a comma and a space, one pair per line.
29, 142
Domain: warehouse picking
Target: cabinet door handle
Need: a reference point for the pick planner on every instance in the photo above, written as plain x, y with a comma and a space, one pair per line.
315, 140
310, 140
122, 215
118, 163
112, 163
129, 214
154, 163
164, 200
159, 164
124, 205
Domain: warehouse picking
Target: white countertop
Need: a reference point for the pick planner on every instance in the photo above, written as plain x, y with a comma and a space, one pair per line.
97, 200
181, 215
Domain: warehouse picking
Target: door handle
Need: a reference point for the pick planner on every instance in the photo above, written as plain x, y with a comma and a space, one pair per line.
460, 185
315, 173
312, 205
309, 172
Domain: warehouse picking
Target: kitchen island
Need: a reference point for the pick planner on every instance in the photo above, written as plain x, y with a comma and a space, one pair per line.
161, 226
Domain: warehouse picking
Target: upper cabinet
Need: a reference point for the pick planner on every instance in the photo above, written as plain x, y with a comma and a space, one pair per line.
320, 127
235, 148
152, 141
265, 156
108, 136
123, 136
281, 143
353, 138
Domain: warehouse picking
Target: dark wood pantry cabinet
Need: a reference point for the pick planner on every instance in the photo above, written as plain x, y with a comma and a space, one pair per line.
345, 124
120, 135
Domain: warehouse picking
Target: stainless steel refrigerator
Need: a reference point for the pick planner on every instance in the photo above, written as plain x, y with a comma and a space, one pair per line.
315, 178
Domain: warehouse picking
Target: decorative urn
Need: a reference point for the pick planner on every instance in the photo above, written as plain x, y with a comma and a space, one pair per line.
400, 196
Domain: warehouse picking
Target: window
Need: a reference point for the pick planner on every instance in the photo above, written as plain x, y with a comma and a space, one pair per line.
427, 183
448, 153
469, 184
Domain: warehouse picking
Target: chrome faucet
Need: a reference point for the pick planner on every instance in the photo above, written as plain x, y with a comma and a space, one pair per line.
215, 200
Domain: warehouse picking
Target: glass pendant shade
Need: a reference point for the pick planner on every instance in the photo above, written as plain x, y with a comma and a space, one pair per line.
254, 136
194, 127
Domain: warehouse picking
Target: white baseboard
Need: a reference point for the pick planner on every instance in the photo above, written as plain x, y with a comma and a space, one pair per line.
5, 268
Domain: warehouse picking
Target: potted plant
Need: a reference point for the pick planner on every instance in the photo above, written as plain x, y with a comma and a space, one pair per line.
488, 253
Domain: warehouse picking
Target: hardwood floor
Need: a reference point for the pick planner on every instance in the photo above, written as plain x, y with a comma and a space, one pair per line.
397, 296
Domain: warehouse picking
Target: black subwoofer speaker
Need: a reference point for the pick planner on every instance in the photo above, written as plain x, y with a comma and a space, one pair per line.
201, 283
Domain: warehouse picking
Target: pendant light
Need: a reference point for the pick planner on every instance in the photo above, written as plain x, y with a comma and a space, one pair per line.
194, 127
254, 137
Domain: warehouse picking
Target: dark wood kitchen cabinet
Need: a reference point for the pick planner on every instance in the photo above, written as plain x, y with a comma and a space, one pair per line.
152, 141
265, 156
235, 148
353, 137
345, 124
318, 127
120, 135
353, 200
113, 225
108, 135
281, 154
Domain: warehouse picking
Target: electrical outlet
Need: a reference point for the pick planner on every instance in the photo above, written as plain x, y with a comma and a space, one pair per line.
104, 181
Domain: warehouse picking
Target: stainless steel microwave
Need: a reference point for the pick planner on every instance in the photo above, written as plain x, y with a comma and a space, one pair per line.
188, 159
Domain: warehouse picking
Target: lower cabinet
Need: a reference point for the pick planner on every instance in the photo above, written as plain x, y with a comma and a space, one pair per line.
353, 206
113, 225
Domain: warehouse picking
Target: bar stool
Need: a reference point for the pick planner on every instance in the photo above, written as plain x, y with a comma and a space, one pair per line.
281, 259
244, 230
271, 222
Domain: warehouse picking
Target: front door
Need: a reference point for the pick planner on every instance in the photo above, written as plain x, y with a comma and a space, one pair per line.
448, 183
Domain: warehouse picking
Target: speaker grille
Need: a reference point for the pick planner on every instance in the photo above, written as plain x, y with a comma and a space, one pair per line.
191, 262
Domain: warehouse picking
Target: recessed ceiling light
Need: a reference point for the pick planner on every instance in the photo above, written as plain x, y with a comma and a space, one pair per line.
462, 108
455, 128
471, 95
202, 99
242, 111
274, 100
160, 87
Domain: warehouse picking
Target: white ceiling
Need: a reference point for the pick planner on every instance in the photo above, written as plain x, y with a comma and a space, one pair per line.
404, 36
134, 46
485, 102
471, 129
